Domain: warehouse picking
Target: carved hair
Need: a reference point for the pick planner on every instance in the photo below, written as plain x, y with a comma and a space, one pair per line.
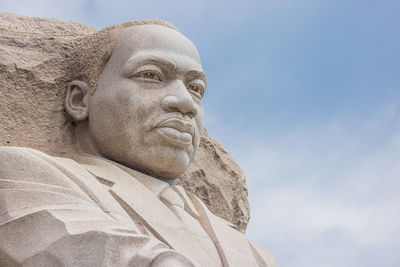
91, 52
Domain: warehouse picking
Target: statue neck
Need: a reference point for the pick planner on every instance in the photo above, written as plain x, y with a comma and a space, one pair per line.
84, 141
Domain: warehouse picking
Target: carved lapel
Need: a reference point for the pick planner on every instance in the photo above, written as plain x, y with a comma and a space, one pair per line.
136, 198
232, 245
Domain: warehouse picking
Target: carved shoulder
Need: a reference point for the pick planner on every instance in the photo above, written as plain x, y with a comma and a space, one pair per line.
21, 163
29, 166
57, 224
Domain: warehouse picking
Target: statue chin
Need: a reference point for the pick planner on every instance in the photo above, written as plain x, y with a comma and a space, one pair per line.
165, 166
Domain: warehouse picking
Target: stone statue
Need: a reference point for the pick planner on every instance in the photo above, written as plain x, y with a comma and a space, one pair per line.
134, 93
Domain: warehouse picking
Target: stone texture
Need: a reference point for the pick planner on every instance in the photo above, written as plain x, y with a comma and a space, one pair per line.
219, 182
32, 113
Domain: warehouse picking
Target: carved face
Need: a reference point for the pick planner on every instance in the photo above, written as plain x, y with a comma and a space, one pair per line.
146, 112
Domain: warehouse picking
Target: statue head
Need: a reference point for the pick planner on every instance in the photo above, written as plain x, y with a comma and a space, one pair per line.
144, 107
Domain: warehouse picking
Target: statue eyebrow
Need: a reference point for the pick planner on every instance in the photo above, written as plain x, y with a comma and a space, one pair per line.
140, 60
137, 61
195, 74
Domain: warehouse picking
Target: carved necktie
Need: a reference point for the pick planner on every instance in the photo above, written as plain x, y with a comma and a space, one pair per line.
173, 198
170, 197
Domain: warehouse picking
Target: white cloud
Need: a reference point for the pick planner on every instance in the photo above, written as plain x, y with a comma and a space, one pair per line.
189, 16
68, 10
327, 195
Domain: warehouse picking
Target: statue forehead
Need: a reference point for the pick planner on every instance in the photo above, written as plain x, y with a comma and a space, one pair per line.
156, 38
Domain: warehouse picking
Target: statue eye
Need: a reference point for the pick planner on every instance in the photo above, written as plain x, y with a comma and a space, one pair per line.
196, 89
149, 75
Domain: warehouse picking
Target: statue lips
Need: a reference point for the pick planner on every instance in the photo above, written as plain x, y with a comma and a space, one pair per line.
176, 132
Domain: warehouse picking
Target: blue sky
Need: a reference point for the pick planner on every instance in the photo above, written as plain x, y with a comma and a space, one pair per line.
306, 96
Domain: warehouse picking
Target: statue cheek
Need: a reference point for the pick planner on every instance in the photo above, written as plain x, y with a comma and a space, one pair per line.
200, 122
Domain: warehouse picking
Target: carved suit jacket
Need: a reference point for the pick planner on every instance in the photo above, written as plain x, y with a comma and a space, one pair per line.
58, 212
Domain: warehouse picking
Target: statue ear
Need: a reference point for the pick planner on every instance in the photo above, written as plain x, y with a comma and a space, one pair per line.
76, 100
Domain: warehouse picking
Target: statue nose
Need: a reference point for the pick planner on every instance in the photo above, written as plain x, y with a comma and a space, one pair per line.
179, 100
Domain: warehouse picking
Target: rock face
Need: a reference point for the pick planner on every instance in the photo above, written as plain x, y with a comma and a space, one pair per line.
31, 100
32, 52
219, 182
